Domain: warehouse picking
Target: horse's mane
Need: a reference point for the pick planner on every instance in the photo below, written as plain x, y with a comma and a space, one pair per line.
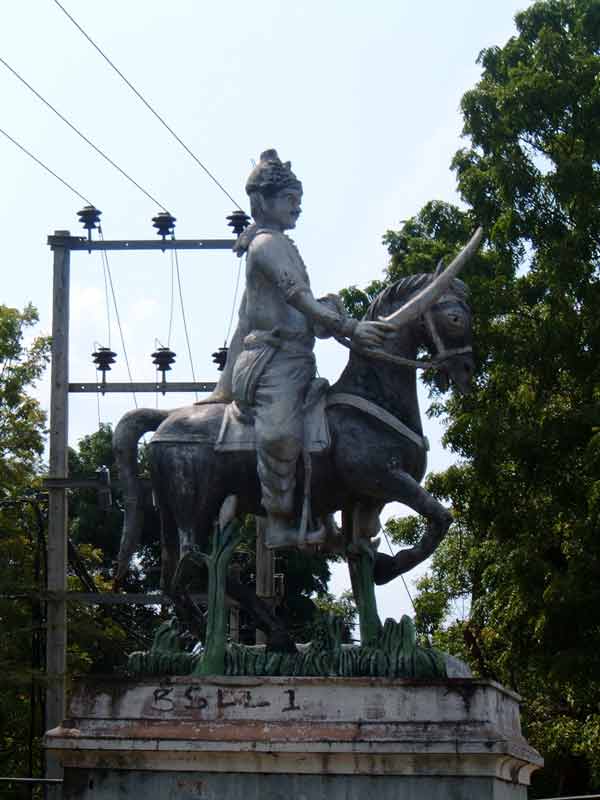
398, 293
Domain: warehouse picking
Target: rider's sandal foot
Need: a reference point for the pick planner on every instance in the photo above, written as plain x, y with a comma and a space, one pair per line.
318, 536
281, 535
277, 536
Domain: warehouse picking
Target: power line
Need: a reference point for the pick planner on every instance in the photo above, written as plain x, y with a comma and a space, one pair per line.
148, 106
233, 304
408, 593
117, 316
185, 327
41, 163
172, 301
402, 576
80, 134
106, 299
98, 397
108, 331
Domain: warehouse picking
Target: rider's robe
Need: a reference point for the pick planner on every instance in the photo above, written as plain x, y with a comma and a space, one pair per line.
272, 372
270, 362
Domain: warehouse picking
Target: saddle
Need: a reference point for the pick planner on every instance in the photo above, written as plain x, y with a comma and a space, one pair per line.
237, 429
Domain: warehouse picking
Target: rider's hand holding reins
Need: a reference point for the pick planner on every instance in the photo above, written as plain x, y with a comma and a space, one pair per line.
368, 335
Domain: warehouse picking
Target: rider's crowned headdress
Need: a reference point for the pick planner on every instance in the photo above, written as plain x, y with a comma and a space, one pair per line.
271, 175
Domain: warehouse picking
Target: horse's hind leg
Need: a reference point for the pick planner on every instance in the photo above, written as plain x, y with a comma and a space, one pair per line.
405, 489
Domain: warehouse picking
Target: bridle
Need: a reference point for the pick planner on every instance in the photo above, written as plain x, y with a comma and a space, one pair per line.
442, 354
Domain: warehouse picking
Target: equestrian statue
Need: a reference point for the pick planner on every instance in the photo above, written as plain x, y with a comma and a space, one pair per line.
277, 442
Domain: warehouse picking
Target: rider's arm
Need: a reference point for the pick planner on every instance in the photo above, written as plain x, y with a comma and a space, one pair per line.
364, 334
280, 262
322, 314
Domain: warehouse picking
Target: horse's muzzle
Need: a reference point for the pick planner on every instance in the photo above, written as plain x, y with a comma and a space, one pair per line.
459, 369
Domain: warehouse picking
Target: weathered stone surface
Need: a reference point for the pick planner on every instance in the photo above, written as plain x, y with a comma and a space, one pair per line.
105, 785
223, 737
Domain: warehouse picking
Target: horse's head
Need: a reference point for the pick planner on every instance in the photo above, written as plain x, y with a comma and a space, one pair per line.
434, 306
444, 330
448, 336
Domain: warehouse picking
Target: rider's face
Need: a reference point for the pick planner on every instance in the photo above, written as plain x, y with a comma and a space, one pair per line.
283, 209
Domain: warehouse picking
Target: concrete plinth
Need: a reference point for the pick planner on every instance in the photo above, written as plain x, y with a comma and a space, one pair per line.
293, 738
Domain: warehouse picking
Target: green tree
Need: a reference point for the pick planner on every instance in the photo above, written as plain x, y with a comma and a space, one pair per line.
524, 551
101, 636
95, 523
22, 429
532, 176
21, 418
342, 608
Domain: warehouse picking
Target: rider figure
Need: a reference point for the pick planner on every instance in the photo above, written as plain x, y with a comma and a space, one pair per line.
271, 361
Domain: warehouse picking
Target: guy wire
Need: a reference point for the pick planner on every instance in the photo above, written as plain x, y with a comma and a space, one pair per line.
148, 106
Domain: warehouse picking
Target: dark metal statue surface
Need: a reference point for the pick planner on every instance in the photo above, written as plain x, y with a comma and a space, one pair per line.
377, 453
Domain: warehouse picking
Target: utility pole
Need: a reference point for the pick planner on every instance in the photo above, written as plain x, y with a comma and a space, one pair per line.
264, 572
56, 635
58, 483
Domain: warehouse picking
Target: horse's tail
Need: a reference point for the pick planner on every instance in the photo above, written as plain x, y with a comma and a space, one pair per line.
127, 434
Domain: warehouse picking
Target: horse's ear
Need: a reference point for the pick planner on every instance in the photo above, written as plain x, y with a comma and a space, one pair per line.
439, 269
422, 300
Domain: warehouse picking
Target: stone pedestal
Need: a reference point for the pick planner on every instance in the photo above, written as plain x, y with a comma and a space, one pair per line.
294, 739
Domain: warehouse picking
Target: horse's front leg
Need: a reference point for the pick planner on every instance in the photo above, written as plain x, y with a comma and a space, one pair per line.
405, 489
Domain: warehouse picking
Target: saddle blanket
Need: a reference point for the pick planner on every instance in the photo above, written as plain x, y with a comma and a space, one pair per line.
237, 429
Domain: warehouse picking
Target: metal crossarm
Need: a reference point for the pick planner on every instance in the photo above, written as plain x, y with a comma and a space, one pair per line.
152, 386
81, 243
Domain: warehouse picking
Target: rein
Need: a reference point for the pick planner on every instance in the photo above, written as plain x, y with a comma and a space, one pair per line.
442, 354
401, 361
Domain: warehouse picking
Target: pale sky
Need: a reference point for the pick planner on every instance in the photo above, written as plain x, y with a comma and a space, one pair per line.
363, 98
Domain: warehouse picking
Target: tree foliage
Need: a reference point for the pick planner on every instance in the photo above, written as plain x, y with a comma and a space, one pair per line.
99, 525
524, 552
529, 493
101, 637
21, 418
22, 429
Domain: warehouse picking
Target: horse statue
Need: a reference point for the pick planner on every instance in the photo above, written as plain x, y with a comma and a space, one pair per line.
377, 452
